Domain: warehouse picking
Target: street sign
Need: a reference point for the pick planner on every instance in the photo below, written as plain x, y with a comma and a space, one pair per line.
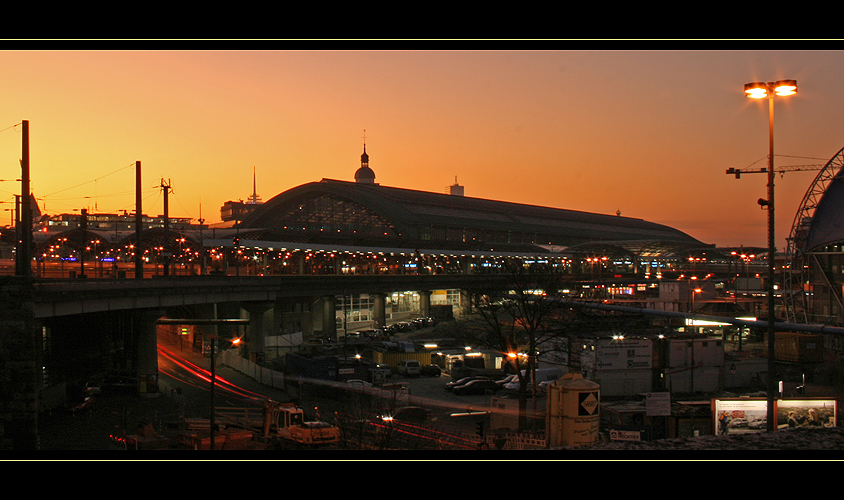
658, 404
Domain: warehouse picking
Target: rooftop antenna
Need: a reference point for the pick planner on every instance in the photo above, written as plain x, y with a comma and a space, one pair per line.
254, 199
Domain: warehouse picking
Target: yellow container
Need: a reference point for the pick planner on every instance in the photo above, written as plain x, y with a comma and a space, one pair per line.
573, 414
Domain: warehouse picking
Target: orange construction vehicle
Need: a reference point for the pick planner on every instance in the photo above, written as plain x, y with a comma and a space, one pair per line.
287, 421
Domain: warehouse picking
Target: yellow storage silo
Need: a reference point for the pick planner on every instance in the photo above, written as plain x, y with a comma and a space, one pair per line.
573, 414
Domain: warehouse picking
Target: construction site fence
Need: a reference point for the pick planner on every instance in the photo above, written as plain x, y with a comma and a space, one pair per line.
265, 376
515, 441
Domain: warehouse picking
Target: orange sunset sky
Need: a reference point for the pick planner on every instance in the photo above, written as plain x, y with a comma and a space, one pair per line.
647, 132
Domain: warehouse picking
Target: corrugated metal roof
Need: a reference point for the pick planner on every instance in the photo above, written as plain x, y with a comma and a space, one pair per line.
409, 210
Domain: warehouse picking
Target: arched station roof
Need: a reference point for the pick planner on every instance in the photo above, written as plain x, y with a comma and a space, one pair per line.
353, 212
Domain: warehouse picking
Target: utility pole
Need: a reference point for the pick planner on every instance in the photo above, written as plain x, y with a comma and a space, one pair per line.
201, 244
18, 231
24, 254
83, 226
139, 223
166, 249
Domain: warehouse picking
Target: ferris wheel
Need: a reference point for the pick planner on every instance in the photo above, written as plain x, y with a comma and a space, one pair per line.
799, 258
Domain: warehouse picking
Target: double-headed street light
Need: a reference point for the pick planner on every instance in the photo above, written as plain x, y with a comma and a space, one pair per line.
761, 90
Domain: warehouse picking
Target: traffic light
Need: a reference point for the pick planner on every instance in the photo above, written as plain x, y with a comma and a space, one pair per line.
236, 241
479, 428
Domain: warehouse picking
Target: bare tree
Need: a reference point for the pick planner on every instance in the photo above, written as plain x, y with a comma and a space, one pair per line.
523, 313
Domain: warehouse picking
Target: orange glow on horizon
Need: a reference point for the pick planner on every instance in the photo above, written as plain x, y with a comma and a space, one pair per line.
497, 120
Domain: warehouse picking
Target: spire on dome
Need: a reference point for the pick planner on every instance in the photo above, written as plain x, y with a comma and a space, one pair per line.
364, 174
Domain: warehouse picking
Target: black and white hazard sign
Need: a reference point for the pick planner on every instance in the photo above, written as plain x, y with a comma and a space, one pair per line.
587, 403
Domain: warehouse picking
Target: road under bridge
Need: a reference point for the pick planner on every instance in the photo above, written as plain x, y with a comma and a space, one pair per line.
70, 326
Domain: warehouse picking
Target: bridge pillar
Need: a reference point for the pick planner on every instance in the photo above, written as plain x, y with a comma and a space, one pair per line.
466, 301
203, 332
379, 309
147, 338
259, 324
424, 303
329, 317
20, 360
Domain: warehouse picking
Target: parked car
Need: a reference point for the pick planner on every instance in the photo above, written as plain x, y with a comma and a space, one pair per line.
401, 326
79, 405
120, 383
758, 423
431, 370
93, 387
738, 422
422, 322
542, 375
508, 379
454, 383
374, 334
416, 414
476, 387
409, 368
542, 386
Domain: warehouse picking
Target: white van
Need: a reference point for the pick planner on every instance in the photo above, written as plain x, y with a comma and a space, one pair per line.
542, 375
409, 368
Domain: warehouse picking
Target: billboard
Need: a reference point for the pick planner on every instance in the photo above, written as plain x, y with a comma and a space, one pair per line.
806, 413
624, 354
740, 416
749, 415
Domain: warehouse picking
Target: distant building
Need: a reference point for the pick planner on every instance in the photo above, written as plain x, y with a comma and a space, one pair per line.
235, 210
365, 213
109, 223
238, 210
455, 189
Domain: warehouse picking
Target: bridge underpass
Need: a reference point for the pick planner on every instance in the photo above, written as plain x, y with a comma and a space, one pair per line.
63, 328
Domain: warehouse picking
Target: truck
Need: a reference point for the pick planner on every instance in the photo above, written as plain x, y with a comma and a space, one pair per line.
282, 420
287, 421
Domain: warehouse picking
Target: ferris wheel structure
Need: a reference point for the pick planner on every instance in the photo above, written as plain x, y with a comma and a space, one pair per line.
818, 222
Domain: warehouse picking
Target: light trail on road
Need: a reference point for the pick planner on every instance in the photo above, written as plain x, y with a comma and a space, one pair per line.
197, 372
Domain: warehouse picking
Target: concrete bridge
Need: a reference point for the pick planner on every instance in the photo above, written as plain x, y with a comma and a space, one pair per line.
51, 328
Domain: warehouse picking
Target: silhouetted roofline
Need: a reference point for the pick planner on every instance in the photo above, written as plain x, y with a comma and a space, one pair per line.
409, 209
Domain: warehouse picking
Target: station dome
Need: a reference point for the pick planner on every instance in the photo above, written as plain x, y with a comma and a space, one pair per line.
364, 174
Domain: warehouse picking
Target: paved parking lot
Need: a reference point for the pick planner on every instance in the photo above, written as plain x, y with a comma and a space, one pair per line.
430, 392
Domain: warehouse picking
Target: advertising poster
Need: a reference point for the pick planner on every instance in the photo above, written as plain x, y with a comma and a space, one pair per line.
740, 416
806, 413
746, 415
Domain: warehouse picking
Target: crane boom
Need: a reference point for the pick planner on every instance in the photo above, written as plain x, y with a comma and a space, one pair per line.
781, 170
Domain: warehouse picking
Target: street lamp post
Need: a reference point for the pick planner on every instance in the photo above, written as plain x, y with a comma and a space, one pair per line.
761, 90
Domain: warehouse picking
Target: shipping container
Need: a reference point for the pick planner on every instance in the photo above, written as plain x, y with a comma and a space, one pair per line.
798, 347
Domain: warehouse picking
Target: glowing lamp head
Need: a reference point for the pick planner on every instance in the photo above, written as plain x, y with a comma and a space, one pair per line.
759, 90
756, 90
786, 87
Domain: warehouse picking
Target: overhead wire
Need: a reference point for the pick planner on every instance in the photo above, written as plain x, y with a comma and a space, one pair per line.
183, 207
11, 127
92, 180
